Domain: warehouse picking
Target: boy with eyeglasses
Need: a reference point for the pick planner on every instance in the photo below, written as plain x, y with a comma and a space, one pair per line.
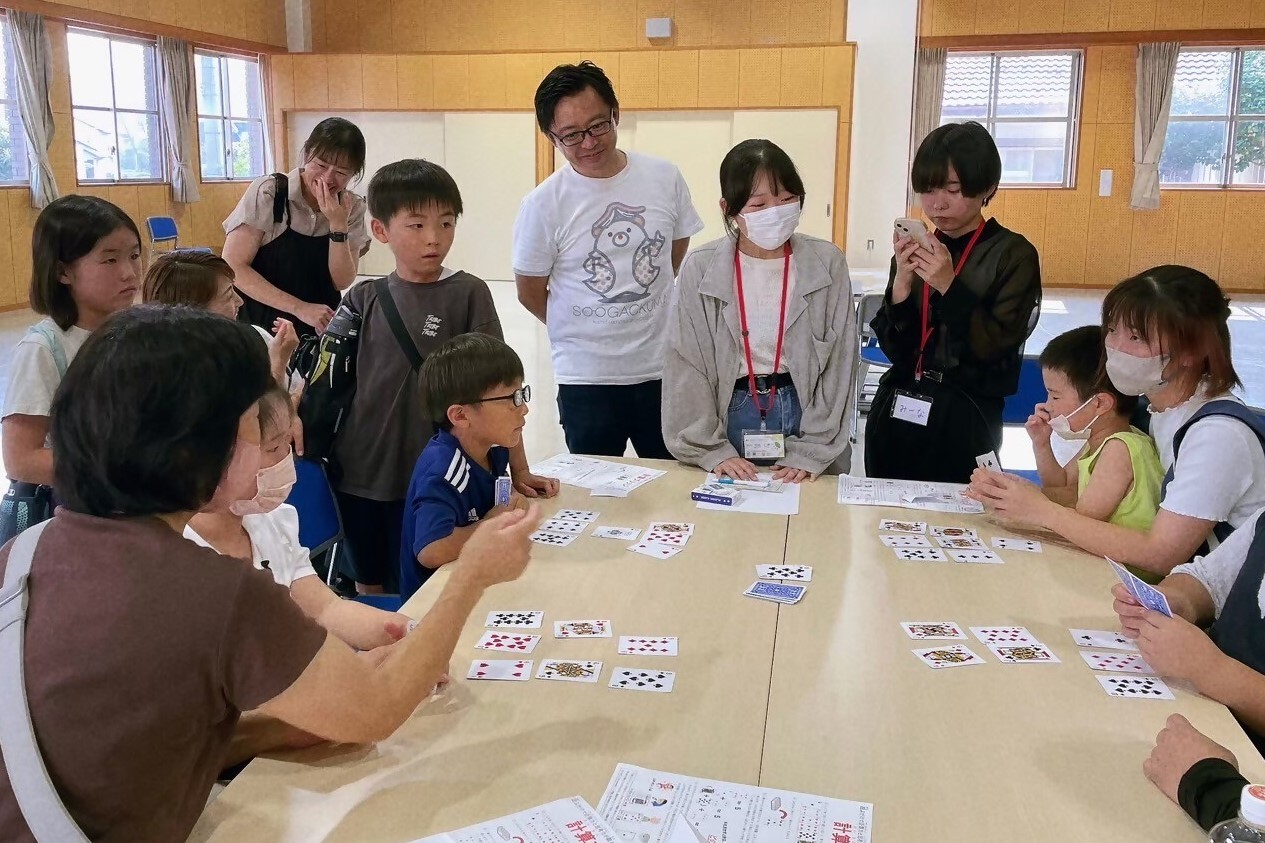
596, 246
476, 397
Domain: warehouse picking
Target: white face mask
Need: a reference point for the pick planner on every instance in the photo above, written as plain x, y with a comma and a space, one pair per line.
769, 228
1136, 375
273, 485
1062, 425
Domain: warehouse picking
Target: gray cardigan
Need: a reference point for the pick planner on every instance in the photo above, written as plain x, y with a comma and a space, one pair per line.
705, 353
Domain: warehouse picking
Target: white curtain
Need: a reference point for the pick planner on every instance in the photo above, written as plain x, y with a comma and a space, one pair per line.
928, 97
34, 70
1157, 64
175, 87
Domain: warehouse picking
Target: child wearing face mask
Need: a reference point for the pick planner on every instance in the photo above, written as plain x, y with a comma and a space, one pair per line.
261, 527
1116, 474
761, 355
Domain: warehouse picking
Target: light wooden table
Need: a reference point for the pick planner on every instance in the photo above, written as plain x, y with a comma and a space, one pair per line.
823, 697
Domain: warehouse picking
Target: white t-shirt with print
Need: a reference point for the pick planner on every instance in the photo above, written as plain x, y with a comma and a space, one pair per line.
34, 374
606, 247
274, 538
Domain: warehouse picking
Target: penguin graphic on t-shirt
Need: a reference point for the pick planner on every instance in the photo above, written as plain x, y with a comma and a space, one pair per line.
622, 264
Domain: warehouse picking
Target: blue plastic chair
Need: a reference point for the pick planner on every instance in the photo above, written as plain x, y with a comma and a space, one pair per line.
320, 523
162, 230
1031, 392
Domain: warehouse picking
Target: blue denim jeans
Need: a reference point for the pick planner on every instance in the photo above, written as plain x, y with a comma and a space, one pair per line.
784, 415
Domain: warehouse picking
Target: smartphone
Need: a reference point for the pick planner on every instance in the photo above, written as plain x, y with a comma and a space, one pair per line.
915, 229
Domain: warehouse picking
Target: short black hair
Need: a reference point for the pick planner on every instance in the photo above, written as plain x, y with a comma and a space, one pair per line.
145, 420
335, 139
1079, 355
972, 152
411, 185
67, 229
567, 80
464, 368
741, 167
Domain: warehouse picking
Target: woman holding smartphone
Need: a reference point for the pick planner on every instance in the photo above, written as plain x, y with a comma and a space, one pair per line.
960, 303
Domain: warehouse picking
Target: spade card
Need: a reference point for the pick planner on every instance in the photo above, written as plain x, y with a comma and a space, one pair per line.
1026, 545
893, 526
673, 539
1103, 639
562, 525
1145, 687
954, 533
905, 541
653, 550
632, 679
504, 669
952, 656
919, 554
582, 629
799, 573
671, 527
553, 539
1117, 662
569, 671
515, 620
628, 534
508, 642
1003, 635
630, 645
960, 543
924, 630
982, 557
1031, 653
1146, 594
584, 515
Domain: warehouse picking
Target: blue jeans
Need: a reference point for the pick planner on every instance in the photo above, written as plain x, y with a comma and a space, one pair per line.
785, 415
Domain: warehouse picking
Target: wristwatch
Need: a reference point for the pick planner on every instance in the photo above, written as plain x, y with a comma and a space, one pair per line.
338, 236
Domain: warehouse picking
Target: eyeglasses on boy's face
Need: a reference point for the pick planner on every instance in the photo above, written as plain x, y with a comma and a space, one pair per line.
518, 396
595, 131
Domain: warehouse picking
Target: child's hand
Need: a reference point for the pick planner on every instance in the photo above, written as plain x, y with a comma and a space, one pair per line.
534, 486
516, 501
1039, 430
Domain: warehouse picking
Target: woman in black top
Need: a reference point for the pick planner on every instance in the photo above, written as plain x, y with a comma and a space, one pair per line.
954, 320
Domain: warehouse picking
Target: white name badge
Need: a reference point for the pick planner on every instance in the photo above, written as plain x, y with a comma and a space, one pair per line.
914, 409
763, 444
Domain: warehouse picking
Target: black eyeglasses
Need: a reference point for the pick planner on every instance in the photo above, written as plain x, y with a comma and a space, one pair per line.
594, 131
518, 396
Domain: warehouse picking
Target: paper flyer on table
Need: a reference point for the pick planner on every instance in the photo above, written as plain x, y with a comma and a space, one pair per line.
602, 477
565, 821
646, 806
784, 501
908, 494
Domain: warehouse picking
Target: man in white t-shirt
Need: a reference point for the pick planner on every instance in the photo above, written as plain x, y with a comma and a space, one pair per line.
596, 246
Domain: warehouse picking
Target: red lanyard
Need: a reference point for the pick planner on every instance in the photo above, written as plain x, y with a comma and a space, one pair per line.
927, 329
781, 328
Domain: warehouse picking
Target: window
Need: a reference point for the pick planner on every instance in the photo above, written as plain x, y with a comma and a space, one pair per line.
230, 117
1029, 102
114, 94
13, 162
1216, 126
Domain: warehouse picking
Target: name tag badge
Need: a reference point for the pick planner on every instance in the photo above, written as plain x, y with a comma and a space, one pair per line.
763, 444
915, 409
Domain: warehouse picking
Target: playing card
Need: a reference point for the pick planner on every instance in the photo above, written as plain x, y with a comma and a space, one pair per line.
656, 551
919, 554
985, 557
988, 461
954, 533
953, 656
933, 629
1031, 653
515, 620
673, 539
632, 679
893, 526
1117, 662
506, 669
582, 629
1146, 594
1147, 687
569, 671
1003, 635
1027, 545
554, 539
905, 541
508, 642
960, 543
628, 534
630, 645
799, 573
587, 516
562, 525
776, 592
671, 527
1102, 639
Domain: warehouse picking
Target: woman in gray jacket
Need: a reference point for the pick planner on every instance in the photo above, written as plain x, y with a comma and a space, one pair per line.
761, 356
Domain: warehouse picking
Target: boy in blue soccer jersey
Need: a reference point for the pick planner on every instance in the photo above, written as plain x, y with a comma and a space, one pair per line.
476, 396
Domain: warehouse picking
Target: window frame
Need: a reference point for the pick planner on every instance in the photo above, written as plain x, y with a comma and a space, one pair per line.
228, 118
1075, 105
1232, 118
151, 45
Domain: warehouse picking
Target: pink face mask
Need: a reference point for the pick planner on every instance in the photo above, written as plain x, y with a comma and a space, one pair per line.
273, 485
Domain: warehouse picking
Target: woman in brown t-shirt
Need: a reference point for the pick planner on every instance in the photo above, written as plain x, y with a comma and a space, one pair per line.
141, 648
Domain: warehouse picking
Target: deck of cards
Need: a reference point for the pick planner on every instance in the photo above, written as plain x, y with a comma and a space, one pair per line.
776, 592
1145, 593
663, 539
